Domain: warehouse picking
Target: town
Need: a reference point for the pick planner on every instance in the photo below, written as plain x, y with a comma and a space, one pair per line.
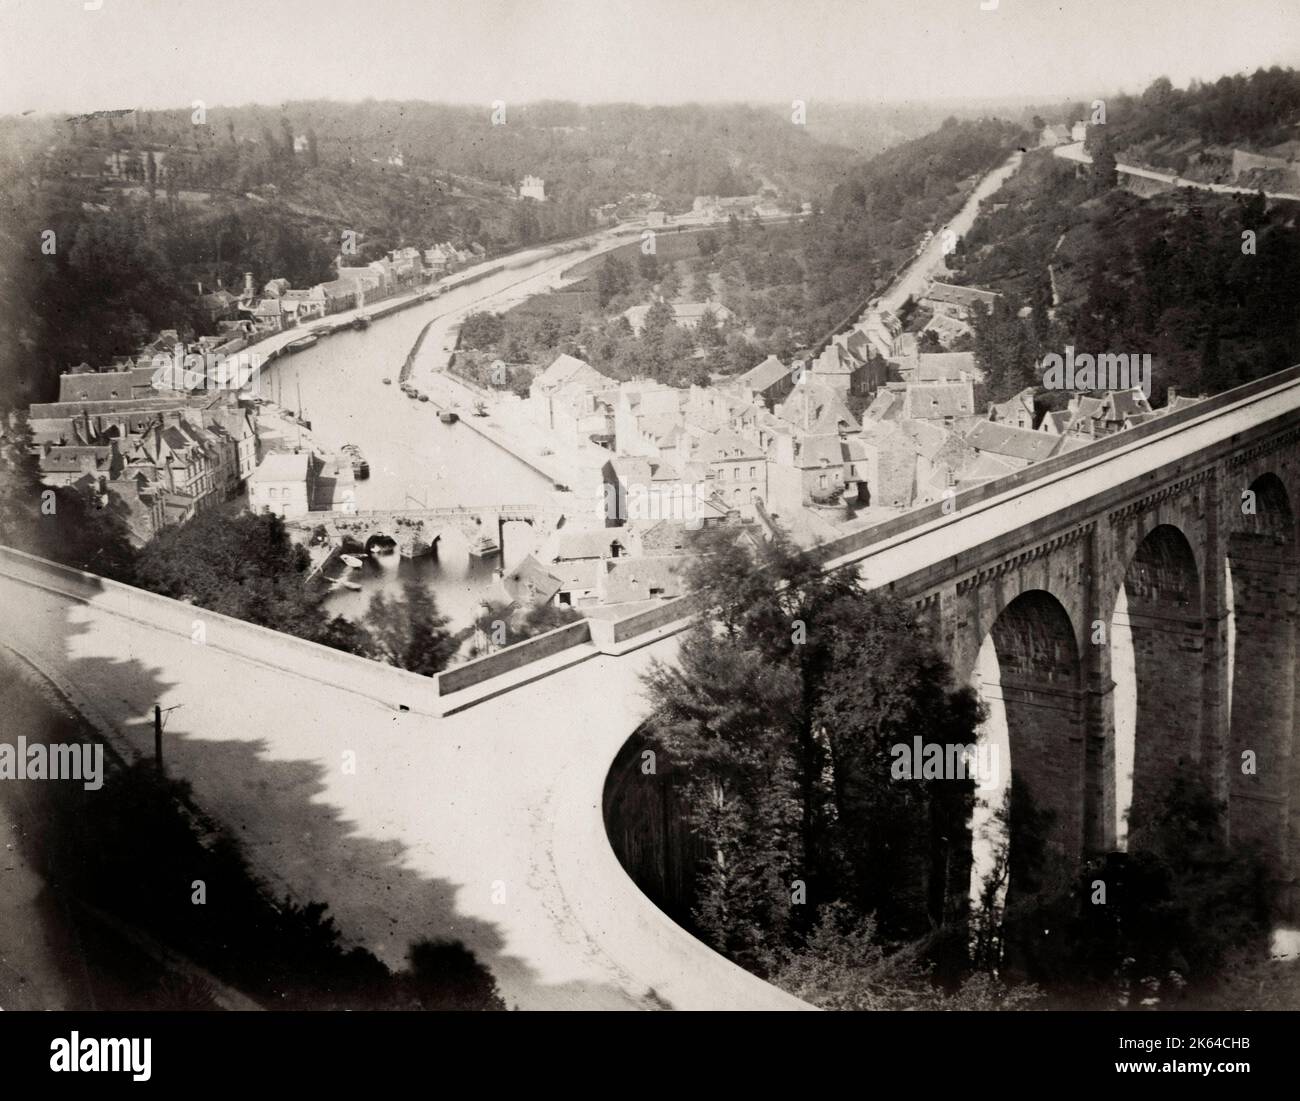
779, 444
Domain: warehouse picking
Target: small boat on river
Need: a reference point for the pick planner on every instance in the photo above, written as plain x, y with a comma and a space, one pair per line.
447, 416
351, 561
360, 468
388, 382
484, 547
361, 321
304, 341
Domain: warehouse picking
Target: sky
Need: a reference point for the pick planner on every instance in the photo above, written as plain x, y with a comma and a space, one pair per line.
80, 55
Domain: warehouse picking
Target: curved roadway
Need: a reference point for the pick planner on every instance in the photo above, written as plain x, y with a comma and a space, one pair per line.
484, 825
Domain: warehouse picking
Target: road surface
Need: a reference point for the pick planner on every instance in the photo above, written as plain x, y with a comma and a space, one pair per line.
484, 826
929, 263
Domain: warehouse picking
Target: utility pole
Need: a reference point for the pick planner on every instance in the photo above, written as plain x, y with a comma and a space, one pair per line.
157, 736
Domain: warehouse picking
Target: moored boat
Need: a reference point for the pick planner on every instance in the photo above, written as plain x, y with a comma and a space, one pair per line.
484, 547
360, 468
448, 417
299, 343
361, 321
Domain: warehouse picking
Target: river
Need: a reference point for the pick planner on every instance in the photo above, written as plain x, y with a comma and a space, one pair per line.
415, 460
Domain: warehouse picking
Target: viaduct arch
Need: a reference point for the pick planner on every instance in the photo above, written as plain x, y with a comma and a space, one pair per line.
1163, 613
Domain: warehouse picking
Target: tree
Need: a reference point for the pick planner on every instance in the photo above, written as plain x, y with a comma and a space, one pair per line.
647, 264
243, 566
60, 523
408, 632
781, 711
445, 975
659, 319
611, 279
482, 330
708, 333
1104, 176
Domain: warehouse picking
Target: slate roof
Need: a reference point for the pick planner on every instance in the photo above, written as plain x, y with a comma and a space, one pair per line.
1017, 443
935, 400
815, 408
529, 581
959, 296
946, 366
766, 374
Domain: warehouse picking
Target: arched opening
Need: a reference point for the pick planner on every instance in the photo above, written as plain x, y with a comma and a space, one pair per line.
382, 549
988, 826
1160, 622
1262, 575
1124, 714
1028, 674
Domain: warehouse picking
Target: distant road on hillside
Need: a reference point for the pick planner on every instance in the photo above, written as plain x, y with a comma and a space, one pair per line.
1075, 152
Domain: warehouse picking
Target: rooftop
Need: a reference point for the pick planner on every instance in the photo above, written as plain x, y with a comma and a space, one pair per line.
1018, 443
281, 466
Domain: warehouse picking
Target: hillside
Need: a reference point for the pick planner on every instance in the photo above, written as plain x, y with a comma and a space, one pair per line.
1203, 282
146, 207
1201, 131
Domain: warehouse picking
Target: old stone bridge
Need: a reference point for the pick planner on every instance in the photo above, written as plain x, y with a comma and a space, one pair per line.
417, 531
1146, 583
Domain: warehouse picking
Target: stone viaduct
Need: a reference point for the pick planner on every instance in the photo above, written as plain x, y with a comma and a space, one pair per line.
1164, 605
